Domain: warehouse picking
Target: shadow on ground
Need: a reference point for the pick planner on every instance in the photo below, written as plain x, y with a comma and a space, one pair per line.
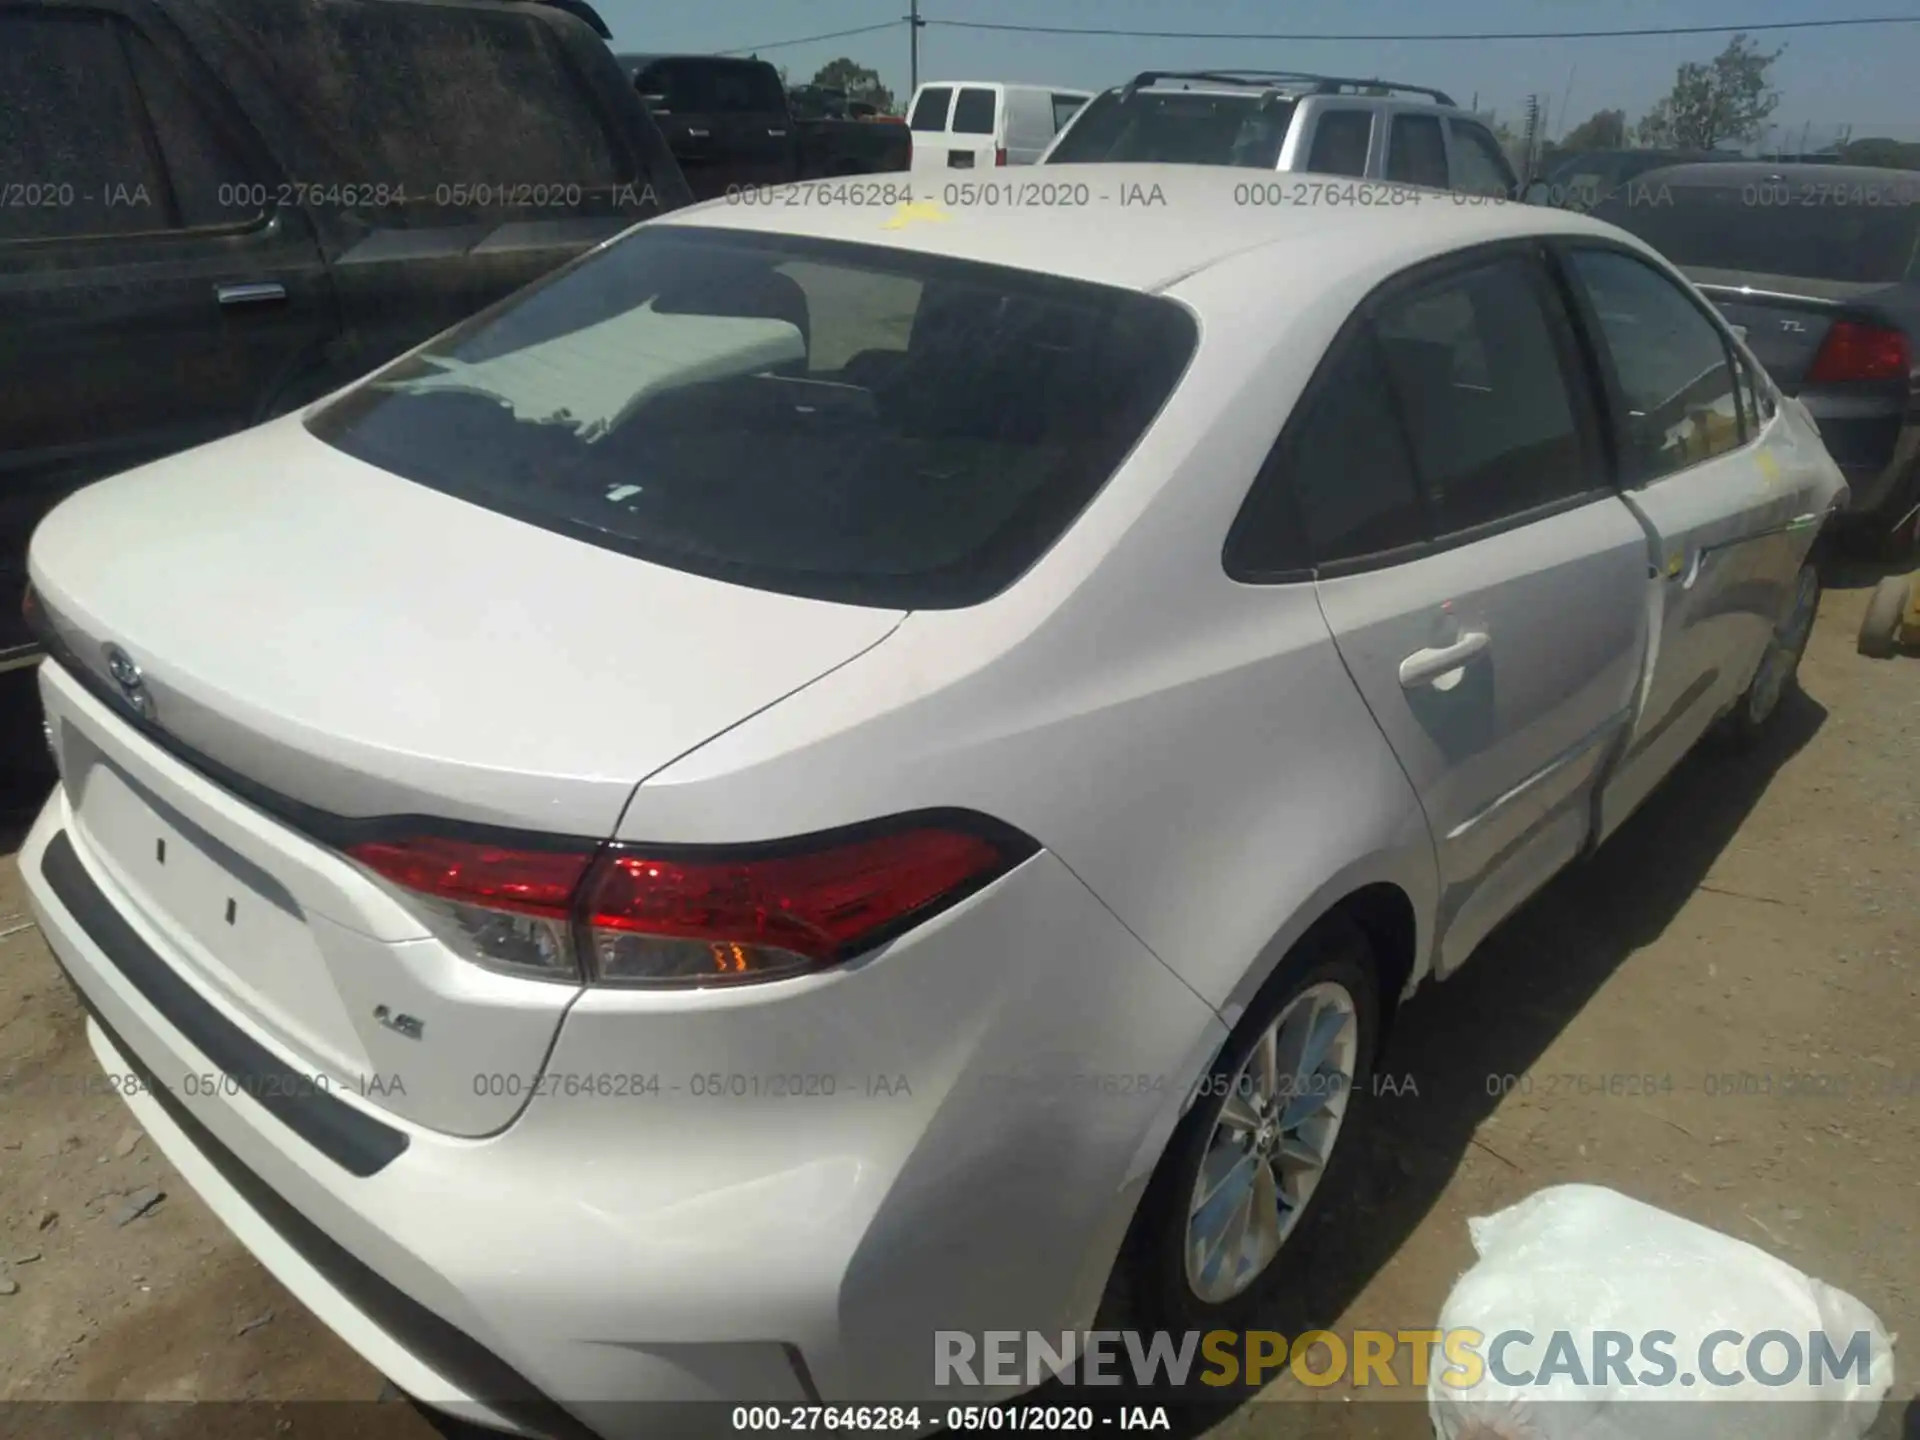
26, 769
1863, 572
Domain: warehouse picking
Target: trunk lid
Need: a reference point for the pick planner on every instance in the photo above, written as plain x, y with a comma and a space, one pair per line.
1784, 321
1785, 317
355, 645
368, 646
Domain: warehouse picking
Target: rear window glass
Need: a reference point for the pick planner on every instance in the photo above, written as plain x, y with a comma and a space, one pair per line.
930, 110
973, 113
1864, 234
715, 87
846, 422
1177, 127
422, 95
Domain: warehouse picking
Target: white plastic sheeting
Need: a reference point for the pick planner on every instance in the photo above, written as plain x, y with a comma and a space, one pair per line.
1586, 1272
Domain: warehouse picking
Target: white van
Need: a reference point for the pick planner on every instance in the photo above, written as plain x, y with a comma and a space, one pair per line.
977, 124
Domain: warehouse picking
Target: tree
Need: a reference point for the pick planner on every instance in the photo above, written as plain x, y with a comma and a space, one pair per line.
858, 81
1602, 130
1878, 150
1711, 104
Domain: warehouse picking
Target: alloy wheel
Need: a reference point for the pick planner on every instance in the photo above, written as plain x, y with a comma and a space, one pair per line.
1271, 1141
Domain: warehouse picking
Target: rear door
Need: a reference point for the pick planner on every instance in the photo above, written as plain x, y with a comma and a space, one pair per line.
727, 121
927, 121
1727, 495
974, 140
1484, 583
154, 291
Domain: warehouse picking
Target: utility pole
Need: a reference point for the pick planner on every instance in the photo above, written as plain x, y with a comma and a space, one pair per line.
914, 22
1530, 137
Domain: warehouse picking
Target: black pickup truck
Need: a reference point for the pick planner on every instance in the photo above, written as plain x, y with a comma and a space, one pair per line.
215, 211
730, 123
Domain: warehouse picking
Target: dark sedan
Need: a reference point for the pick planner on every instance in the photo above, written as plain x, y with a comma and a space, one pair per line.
1816, 264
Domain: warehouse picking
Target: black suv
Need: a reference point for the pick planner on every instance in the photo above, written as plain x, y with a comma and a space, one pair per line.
215, 211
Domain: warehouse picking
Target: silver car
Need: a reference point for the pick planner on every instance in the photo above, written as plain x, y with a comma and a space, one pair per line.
1289, 122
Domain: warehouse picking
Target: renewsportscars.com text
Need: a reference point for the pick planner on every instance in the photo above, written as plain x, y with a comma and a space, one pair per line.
1385, 1359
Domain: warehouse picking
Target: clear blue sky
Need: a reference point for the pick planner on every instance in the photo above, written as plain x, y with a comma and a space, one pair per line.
1869, 77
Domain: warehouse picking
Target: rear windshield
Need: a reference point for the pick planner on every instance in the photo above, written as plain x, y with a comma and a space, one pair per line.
715, 87
839, 421
1817, 231
1177, 127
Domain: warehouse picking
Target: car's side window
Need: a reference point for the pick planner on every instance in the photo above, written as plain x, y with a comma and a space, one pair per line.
1478, 166
74, 158
210, 185
1417, 151
1479, 368
1340, 141
1340, 484
1672, 363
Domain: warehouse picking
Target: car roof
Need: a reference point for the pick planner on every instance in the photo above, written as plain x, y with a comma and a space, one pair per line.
1206, 214
1006, 85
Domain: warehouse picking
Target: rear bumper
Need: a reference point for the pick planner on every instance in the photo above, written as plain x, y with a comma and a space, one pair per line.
606, 1254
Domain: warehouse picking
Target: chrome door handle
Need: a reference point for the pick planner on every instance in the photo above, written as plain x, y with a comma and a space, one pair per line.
697, 134
1426, 665
1693, 570
265, 293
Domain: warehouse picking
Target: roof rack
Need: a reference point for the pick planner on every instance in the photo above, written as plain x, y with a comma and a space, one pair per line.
1321, 84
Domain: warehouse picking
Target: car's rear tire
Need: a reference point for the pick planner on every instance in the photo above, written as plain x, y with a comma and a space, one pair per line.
1257, 1149
1778, 672
1886, 609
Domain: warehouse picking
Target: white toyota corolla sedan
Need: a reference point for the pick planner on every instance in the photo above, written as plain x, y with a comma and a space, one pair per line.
831, 773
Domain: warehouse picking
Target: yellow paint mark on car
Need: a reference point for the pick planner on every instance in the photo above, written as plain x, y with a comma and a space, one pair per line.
912, 210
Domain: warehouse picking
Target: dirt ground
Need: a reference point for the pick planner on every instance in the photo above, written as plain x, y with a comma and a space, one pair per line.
1759, 917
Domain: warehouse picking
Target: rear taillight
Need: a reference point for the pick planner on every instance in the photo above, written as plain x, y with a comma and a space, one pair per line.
651, 916
1857, 351
1000, 157
506, 908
